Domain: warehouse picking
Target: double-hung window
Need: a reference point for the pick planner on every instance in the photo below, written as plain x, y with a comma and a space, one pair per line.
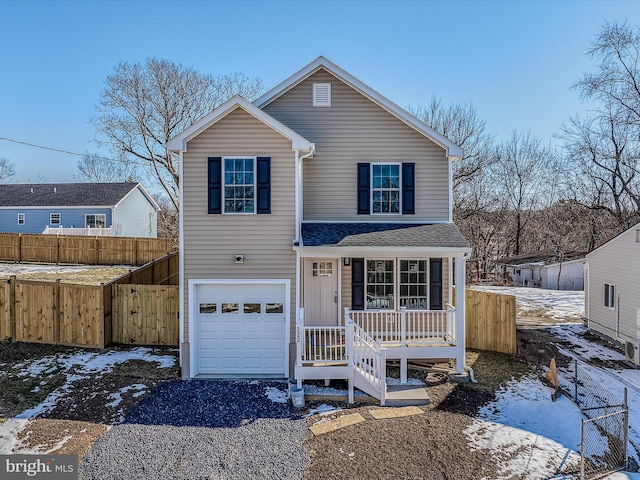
609, 295
54, 219
239, 185
95, 221
385, 191
413, 284
380, 284
21, 219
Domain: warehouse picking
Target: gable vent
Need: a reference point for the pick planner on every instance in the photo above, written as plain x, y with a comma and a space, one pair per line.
321, 94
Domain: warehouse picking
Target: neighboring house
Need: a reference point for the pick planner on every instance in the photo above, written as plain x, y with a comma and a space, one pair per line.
122, 209
316, 221
612, 303
544, 269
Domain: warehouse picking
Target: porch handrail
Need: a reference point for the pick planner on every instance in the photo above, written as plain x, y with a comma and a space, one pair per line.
370, 358
321, 345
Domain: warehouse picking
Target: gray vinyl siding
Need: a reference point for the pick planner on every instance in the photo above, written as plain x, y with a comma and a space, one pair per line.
212, 240
135, 216
616, 263
353, 130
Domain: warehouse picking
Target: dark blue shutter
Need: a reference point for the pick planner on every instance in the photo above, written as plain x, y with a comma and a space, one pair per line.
215, 185
264, 185
408, 188
435, 284
357, 283
364, 189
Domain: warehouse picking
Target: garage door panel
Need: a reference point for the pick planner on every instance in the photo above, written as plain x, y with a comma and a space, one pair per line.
248, 341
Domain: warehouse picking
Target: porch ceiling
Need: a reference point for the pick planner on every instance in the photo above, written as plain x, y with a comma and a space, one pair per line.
435, 235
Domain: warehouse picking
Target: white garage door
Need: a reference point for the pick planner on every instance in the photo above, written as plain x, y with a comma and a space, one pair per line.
241, 329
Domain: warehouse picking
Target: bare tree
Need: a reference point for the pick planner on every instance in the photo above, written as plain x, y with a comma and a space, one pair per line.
94, 168
144, 105
168, 222
7, 169
617, 79
525, 174
461, 124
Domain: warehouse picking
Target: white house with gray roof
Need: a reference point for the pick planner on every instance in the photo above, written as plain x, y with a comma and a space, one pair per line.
317, 238
122, 209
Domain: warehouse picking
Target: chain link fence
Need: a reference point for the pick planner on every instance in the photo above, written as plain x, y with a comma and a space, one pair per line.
603, 449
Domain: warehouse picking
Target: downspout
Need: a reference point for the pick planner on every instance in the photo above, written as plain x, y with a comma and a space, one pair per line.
298, 189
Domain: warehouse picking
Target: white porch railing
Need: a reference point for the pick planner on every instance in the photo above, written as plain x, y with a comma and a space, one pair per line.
92, 232
322, 345
369, 360
407, 327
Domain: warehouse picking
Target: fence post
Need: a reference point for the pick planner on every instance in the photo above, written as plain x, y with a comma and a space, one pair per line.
56, 313
582, 452
12, 307
575, 381
626, 429
97, 250
19, 248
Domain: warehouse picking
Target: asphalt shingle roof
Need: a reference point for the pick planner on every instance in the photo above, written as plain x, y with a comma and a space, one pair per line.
382, 235
63, 194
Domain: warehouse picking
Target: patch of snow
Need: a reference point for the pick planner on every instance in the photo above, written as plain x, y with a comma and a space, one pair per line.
83, 364
323, 409
9, 434
558, 304
117, 396
276, 395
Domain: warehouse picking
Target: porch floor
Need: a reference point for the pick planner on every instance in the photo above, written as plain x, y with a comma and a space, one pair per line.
406, 395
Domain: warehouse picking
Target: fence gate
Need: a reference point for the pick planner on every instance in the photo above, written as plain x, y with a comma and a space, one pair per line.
605, 430
603, 449
145, 314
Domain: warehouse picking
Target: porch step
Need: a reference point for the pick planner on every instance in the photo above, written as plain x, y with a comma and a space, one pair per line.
406, 395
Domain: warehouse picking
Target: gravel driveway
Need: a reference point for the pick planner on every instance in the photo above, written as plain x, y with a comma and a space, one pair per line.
204, 429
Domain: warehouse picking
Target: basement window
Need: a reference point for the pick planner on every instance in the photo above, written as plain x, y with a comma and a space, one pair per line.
321, 94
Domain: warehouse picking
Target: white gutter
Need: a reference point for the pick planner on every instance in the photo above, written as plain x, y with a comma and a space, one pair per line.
298, 189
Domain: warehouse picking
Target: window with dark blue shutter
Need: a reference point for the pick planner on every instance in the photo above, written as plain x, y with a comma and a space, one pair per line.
408, 188
363, 188
264, 185
215, 184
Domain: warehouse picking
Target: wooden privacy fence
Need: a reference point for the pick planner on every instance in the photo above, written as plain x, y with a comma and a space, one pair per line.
490, 321
19, 247
95, 315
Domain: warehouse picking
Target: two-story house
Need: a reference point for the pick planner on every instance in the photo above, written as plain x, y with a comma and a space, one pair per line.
317, 236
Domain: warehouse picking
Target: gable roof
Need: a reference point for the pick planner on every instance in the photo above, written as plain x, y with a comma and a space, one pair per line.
179, 142
632, 227
453, 150
382, 235
67, 194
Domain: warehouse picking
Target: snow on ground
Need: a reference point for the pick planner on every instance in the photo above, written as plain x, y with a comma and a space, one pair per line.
276, 395
82, 364
558, 304
19, 269
524, 419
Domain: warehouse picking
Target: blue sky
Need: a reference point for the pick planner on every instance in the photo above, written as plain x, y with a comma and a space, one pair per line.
514, 60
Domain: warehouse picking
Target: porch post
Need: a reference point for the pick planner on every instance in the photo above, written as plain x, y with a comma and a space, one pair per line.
403, 344
460, 313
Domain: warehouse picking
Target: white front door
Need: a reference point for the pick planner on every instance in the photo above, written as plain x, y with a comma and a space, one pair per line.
321, 292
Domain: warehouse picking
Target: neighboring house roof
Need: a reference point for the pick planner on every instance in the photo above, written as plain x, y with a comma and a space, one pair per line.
179, 142
543, 257
453, 150
67, 194
382, 235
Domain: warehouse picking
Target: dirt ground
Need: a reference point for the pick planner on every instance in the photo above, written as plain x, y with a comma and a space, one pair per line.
428, 446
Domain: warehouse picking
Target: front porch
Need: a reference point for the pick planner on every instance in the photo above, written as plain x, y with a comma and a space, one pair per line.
369, 293
358, 350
